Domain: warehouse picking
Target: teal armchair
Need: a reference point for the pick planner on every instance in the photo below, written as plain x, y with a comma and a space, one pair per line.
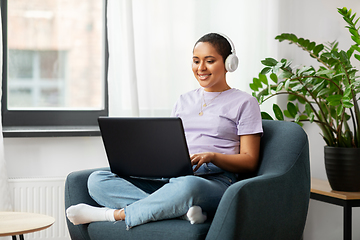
272, 204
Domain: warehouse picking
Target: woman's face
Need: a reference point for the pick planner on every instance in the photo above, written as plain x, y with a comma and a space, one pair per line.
209, 68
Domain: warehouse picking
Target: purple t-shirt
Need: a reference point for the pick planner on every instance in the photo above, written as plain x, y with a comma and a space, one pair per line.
224, 119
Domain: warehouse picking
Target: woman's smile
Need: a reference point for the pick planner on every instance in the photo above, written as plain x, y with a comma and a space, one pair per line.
203, 76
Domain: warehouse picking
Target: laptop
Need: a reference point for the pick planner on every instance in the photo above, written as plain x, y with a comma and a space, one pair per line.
146, 147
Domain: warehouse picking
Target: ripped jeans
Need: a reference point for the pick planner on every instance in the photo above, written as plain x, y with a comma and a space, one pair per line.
147, 200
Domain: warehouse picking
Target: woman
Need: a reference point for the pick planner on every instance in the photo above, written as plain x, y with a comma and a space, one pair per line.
216, 119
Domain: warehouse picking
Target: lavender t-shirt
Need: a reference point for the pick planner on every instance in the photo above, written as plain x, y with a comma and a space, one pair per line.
226, 117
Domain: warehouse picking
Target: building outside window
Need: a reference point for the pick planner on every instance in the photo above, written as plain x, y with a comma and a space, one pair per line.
55, 57
37, 79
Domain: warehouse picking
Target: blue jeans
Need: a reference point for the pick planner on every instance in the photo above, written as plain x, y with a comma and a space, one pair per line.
147, 200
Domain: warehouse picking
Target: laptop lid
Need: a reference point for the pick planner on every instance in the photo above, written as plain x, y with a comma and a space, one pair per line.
146, 147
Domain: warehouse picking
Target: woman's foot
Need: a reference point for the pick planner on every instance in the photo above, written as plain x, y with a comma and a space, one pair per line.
195, 215
119, 215
83, 213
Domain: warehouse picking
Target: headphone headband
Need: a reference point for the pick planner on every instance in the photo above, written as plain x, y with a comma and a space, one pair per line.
232, 61
230, 42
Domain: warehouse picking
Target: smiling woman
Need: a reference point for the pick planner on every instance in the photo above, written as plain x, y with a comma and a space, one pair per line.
213, 138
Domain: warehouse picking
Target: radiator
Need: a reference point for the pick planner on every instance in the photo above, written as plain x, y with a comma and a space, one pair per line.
44, 196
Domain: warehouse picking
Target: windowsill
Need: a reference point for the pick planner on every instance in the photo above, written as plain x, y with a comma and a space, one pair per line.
63, 131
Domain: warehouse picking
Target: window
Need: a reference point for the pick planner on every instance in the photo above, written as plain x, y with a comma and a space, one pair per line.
54, 63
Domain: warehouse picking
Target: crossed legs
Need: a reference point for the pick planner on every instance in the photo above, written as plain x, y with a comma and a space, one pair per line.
138, 201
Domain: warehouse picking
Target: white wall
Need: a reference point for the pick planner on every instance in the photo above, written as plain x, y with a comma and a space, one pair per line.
318, 20
52, 157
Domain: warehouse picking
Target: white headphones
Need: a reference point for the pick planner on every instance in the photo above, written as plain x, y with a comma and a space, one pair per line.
232, 61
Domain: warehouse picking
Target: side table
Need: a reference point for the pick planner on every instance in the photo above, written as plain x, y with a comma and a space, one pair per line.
19, 223
321, 191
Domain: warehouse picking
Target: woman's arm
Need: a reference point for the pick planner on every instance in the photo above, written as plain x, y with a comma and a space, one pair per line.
246, 161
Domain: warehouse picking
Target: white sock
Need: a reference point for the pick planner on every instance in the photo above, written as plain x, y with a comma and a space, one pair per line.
195, 215
83, 213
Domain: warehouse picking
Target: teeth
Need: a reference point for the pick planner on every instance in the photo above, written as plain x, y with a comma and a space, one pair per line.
204, 76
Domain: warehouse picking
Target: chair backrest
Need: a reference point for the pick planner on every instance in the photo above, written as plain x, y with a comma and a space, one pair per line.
274, 203
281, 139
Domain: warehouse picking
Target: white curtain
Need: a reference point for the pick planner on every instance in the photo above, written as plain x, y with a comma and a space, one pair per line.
151, 42
5, 201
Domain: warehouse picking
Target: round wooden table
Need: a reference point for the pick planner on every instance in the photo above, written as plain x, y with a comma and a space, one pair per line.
19, 223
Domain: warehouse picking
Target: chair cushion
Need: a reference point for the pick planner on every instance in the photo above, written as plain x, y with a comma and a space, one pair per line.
167, 229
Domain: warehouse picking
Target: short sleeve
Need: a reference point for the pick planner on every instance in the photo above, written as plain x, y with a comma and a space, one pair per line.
250, 121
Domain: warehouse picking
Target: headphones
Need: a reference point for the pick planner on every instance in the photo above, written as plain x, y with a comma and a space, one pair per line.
232, 61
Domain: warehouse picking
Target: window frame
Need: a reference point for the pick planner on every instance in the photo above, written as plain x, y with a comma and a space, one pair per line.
50, 120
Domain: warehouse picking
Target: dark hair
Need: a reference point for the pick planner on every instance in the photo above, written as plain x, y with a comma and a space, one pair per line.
220, 43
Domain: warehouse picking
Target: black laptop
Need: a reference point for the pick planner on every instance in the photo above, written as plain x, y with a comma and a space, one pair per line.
146, 147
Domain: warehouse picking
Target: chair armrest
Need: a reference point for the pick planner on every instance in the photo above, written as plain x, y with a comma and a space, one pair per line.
270, 206
76, 192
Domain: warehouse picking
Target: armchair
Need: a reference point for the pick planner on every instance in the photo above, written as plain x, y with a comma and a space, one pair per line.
273, 204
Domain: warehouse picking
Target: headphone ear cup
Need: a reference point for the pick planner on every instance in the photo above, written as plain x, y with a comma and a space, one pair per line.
231, 63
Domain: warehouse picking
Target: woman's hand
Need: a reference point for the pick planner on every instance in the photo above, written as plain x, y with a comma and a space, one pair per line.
201, 158
246, 161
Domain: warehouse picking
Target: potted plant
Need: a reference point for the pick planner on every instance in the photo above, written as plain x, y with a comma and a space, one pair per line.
325, 95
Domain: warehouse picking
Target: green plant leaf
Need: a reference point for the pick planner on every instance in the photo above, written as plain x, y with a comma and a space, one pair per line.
326, 54
257, 82
303, 117
304, 42
344, 57
287, 64
254, 87
356, 39
265, 70
308, 109
339, 110
339, 74
287, 83
265, 115
334, 100
355, 47
357, 56
277, 67
318, 86
318, 49
347, 102
324, 91
304, 69
292, 97
274, 77
263, 79
353, 32
260, 99
312, 117
270, 62
301, 100
297, 87
285, 75
278, 113
293, 38
293, 110
347, 91
324, 72
287, 36
287, 114
279, 87
311, 46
